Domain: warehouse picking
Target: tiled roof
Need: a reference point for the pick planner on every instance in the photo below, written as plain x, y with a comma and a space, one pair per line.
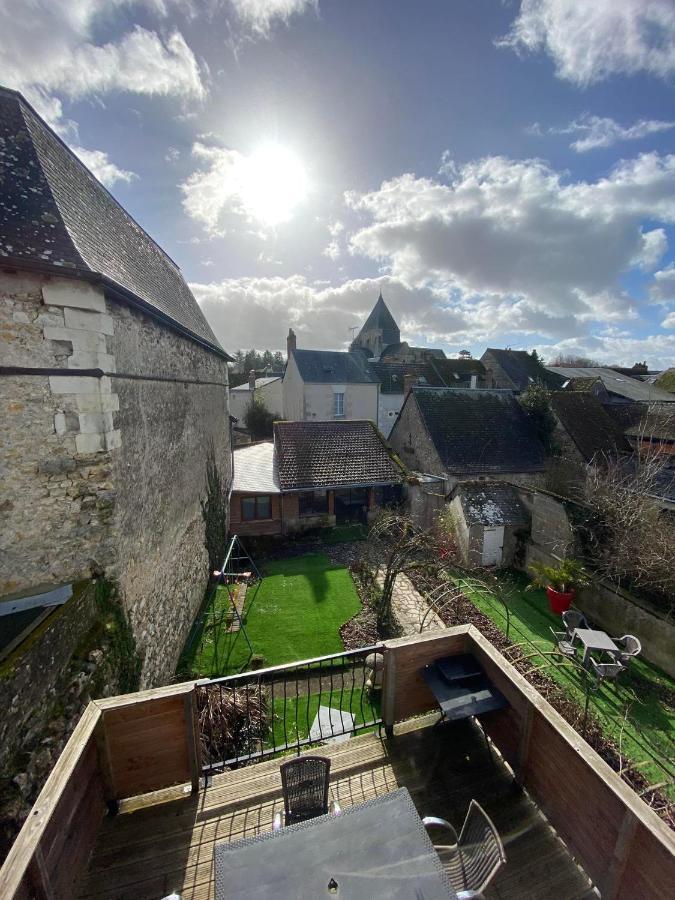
391, 375
523, 369
380, 317
53, 212
479, 430
490, 503
330, 454
333, 367
255, 469
585, 420
617, 383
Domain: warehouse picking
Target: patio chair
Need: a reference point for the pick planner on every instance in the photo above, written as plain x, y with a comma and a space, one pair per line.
304, 782
629, 646
606, 670
471, 860
572, 619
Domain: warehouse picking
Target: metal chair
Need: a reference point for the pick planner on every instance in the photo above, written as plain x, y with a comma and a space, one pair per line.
629, 646
572, 619
304, 782
472, 859
606, 670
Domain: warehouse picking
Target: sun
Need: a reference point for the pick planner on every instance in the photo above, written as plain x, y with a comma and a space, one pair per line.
275, 183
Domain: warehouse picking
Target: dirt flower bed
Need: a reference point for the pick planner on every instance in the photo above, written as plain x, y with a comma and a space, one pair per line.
464, 612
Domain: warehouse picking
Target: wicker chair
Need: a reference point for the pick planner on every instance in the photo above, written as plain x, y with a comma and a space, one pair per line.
629, 646
471, 860
572, 619
304, 782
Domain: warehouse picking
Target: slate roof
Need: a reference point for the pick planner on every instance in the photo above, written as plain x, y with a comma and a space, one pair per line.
333, 367
522, 369
481, 431
616, 383
490, 503
54, 213
255, 469
447, 369
380, 317
588, 424
259, 382
391, 375
332, 454
429, 352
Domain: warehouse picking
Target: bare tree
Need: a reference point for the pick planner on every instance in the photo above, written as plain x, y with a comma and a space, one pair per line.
569, 359
398, 546
631, 536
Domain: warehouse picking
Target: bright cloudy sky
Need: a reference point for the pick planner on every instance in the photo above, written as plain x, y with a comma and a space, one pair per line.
504, 170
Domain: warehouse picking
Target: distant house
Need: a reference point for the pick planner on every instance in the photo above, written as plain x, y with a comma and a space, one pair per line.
467, 434
620, 386
487, 517
515, 370
584, 429
396, 378
312, 474
268, 390
328, 384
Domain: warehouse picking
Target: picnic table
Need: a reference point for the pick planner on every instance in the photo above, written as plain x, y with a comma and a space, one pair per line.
373, 850
591, 639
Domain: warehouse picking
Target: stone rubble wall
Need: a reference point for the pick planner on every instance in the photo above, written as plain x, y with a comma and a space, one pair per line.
56, 494
108, 474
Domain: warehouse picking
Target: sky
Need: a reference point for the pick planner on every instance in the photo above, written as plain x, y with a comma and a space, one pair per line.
502, 170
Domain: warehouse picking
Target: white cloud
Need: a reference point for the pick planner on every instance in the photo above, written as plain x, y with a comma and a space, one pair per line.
663, 287
596, 132
619, 349
332, 250
260, 16
172, 155
591, 40
101, 166
515, 231
669, 322
49, 52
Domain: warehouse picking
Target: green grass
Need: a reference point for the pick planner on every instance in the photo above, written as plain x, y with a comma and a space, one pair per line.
296, 614
342, 534
300, 714
632, 711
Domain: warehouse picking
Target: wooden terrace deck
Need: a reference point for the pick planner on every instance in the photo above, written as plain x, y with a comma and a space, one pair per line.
164, 842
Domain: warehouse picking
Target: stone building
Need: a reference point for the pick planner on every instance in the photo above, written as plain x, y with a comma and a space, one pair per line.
266, 389
379, 331
461, 435
113, 397
515, 370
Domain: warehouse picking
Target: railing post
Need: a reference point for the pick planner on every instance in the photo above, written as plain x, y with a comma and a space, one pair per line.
193, 738
389, 691
105, 766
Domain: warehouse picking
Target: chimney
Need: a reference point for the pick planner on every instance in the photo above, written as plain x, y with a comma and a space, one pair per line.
251, 380
408, 382
291, 342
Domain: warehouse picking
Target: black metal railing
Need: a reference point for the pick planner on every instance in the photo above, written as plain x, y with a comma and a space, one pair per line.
254, 715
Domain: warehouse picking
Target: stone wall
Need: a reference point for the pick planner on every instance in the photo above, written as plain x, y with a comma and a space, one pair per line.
168, 430
107, 474
410, 440
56, 500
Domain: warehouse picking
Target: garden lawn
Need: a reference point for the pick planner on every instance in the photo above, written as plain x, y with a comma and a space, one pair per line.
635, 712
300, 714
296, 614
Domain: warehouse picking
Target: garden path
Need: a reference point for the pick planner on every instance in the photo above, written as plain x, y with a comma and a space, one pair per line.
411, 609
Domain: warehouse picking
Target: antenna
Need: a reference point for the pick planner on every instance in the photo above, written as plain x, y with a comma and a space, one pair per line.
353, 329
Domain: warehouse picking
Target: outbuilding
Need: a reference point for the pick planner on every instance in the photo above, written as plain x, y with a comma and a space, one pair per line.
487, 517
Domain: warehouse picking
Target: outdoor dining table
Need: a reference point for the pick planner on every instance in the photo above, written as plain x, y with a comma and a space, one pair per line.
372, 850
594, 640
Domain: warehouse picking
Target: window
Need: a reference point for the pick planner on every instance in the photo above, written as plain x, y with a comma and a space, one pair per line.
338, 405
256, 508
313, 503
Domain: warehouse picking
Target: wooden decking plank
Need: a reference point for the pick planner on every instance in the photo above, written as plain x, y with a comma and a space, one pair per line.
169, 847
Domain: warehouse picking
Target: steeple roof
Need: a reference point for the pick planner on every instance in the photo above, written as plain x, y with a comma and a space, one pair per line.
381, 318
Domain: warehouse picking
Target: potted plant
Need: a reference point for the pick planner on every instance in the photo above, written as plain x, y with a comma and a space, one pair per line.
560, 581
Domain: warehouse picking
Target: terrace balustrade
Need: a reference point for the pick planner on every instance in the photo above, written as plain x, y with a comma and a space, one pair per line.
150, 741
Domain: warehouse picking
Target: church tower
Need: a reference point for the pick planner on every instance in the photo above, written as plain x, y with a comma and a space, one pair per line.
379, 331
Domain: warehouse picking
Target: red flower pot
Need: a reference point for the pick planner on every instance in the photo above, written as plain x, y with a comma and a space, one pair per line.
559, 601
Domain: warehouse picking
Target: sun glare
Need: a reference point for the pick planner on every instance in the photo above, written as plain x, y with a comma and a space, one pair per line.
275, 183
